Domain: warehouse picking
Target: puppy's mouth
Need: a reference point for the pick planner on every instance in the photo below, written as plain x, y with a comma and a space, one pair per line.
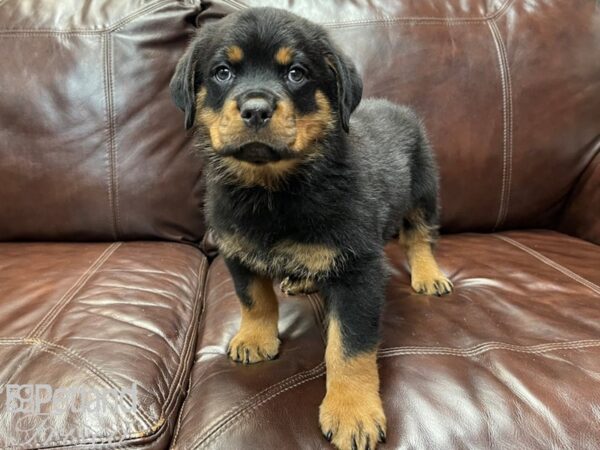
256, 153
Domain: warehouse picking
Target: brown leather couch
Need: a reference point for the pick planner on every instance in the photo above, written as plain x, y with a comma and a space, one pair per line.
108, 280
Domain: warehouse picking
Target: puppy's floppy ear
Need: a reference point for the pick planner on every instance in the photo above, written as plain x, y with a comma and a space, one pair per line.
188, 74
183, 90
349, 85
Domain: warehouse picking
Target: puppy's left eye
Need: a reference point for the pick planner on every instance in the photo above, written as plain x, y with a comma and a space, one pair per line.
296, 75
223, 74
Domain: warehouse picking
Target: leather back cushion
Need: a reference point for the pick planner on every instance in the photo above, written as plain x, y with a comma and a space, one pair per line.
508, 91
91, 146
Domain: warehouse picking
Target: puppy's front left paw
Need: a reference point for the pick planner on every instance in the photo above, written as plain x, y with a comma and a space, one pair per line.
250, 347
352, 421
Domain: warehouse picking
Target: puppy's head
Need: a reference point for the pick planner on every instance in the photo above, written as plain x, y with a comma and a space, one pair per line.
264, 86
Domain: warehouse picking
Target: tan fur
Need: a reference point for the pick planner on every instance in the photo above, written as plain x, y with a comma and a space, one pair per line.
309, 259
226, 127
295, 287
426, 276
235, 54
313, 126
352, 408
284, 56
257, 338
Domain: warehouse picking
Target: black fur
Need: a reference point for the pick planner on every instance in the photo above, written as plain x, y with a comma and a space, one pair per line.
373, 167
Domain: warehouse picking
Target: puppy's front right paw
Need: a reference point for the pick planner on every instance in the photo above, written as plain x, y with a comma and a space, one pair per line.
250, 347
352, 421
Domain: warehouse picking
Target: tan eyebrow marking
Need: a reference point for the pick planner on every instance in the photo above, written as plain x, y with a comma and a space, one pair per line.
284, 56
235, 54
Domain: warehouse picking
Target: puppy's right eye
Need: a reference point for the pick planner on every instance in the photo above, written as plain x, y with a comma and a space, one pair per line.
223, 74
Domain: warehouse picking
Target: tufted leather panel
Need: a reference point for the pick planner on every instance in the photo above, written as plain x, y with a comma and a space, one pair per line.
98, 316
510, 360
91, 145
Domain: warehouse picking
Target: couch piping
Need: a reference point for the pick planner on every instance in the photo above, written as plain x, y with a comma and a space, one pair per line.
507, 120
49, 317
111, 151
198, 312
578, 278
244, 409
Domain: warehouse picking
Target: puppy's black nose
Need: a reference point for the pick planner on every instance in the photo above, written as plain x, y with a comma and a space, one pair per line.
256, 112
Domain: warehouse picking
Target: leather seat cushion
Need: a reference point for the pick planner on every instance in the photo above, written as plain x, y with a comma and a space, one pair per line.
511, 358
98, 316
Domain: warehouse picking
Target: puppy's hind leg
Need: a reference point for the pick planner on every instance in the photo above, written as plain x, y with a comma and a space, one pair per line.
417, 236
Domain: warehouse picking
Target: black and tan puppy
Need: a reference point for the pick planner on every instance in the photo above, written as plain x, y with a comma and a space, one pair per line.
301, 187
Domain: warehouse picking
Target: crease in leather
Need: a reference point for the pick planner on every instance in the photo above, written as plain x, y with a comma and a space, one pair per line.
549, 262
53, 312
507, 120
111, 151
110, 28
249, 406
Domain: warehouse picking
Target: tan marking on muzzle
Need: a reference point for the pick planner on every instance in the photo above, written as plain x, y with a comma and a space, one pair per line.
223, 126
313, 126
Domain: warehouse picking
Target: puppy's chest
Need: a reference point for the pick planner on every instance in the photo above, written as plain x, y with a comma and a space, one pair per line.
281, 257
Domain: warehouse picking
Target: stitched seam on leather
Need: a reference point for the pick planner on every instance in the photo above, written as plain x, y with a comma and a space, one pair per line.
110, 150
386, 353
504, 82
385, 20
235, 410
241, 412
587, 283
507, 123
113, 141
114, 27
487, 347
46, 321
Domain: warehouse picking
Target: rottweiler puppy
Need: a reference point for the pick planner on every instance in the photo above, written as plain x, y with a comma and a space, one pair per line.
305, 184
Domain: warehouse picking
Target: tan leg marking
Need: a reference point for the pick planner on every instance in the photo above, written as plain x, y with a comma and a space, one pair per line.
426, 276
257, 339
295, 287
351, 415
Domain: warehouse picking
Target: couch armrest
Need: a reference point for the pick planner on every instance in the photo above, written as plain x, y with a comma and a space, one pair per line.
581, 215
